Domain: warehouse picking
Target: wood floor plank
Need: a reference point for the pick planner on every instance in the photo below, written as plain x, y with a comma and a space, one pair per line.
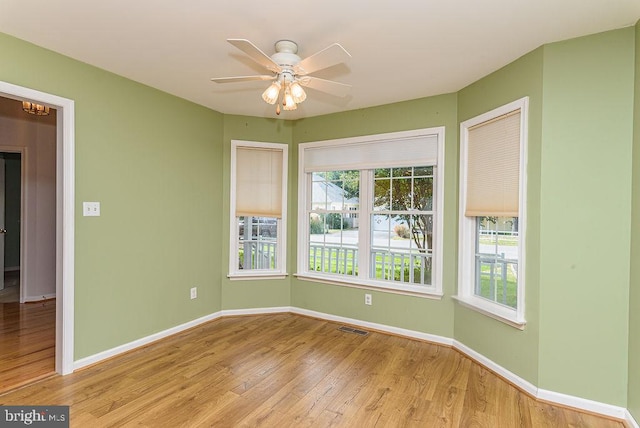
27, 342
514, 404
284, 370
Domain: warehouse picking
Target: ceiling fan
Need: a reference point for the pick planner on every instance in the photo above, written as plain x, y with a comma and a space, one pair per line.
290, 72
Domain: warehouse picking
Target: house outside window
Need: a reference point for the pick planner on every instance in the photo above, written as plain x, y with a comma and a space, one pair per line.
492, 213
370, 211
258, 209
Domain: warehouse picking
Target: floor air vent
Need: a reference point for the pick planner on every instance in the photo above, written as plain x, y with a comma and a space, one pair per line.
353, 330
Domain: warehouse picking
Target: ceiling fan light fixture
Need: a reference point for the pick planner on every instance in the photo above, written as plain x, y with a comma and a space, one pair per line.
288, 103
298, 94
36, 109
289, 107
270, 95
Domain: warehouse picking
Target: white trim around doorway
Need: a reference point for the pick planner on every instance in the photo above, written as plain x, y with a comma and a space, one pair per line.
65, 218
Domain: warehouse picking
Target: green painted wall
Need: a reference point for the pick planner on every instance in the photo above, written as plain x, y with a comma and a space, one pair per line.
633, 400
585, 216
511, 348
415, 313
240, 294
154, 163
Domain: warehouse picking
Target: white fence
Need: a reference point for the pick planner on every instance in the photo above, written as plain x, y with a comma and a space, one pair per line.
497, 276
506, 233
399, 266
258, 254
334, 259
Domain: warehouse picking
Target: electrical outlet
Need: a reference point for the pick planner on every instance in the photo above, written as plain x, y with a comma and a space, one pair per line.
194, 292
91, 209
367, 299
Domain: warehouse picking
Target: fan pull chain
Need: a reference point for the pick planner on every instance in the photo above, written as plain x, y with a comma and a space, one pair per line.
281, 97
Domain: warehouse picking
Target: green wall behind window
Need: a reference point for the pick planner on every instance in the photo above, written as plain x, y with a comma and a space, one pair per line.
415, 313
634, 301
585, 215
503, 344
241, 294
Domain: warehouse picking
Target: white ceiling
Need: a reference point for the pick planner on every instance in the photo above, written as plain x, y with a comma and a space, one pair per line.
401, 49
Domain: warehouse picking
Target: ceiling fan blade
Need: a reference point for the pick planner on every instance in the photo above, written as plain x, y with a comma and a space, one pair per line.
242, 78
329, 86
331, 55
256, 54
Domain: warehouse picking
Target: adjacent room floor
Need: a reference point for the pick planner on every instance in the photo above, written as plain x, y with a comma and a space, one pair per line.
289, 370
11, 291
27, 337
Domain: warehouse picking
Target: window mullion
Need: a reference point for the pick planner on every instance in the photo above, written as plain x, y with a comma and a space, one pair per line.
364, 232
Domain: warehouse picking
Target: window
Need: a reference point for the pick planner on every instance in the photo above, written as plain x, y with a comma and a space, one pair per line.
258, 209
370, 211
402, 224
492, 212
333, 222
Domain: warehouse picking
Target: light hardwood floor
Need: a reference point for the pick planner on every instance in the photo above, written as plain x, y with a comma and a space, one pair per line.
27, 342
286, 370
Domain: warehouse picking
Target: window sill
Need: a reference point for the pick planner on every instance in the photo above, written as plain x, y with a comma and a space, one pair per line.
485, 308
389, 288
256, 276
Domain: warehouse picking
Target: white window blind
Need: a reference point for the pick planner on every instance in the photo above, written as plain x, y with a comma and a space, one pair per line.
402, 152
493, 168
258, 182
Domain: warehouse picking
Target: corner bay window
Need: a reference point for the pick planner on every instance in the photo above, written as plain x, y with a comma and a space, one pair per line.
370, 211
492, 212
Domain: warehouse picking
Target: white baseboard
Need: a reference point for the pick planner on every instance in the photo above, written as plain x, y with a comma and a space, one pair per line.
92, 359
256, 311
375, 326
28, 299
582, 403
541, 394
521, 383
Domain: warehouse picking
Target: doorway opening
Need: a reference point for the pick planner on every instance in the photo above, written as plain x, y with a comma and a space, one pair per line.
64, 230
27, 244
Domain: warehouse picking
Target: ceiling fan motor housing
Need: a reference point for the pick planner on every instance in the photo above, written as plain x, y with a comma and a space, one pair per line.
285, 55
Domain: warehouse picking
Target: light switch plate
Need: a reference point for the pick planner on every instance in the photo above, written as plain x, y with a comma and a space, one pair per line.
91, 209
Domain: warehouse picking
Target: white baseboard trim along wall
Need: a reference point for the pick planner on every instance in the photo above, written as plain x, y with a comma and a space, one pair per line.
29, 299
100, 356
541, 394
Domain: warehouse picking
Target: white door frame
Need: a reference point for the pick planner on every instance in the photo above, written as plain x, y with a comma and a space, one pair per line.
65, 226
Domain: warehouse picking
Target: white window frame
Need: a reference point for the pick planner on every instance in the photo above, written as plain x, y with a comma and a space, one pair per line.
467, 225
366, 209
281, 252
